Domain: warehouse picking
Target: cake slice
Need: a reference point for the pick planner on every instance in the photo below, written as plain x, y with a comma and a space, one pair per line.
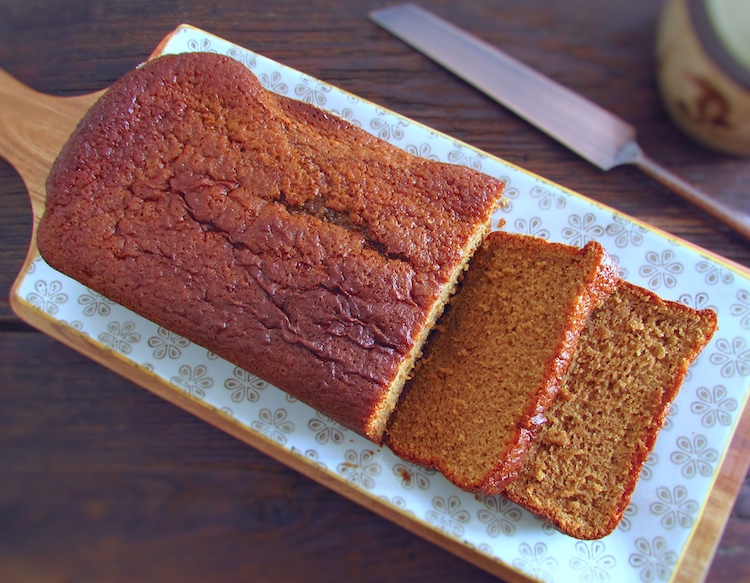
632, 358
279, 236
480, 393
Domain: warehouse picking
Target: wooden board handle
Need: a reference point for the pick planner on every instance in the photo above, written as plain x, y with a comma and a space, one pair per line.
33, 129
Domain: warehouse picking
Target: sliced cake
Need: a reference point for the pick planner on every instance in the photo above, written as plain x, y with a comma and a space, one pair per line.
479, 395
632, 358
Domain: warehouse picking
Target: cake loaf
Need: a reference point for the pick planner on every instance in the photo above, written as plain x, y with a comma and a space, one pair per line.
281, 237
479, 394
632, 358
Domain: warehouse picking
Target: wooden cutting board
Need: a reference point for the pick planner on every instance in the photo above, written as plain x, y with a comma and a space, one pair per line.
33, 129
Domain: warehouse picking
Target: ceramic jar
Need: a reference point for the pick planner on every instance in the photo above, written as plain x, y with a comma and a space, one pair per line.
703, 70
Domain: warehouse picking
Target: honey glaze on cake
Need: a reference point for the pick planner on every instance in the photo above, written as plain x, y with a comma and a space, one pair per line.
479, 396
280, 237
632, 358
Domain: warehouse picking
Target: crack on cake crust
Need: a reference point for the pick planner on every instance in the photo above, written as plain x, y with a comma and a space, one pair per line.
316, 207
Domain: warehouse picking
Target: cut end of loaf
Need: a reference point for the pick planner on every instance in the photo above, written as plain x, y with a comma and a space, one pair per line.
376, 429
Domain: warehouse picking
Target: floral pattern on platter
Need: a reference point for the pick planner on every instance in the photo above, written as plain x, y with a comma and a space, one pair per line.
166, 344
448, 515
536, 561
674, 507
592, 562
678, 476
653, 559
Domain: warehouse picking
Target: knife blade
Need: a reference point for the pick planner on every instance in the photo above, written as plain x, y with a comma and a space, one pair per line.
581, 125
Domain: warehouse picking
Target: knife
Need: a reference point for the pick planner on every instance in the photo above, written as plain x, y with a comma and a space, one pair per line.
589, 130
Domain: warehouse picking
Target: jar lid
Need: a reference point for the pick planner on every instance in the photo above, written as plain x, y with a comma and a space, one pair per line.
723, 28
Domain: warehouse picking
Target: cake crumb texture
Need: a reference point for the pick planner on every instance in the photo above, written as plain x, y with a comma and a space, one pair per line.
479, 395
278, 236
633, 356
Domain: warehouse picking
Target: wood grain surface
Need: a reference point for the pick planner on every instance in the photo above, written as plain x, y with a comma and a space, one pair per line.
102, 481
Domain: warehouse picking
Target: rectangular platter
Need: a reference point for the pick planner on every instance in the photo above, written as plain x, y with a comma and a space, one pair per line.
688, 486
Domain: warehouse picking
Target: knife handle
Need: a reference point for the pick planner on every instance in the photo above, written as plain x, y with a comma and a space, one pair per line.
738, 221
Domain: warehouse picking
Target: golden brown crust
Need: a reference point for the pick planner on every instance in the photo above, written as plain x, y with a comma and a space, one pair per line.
279, 236
479, 397
633, 357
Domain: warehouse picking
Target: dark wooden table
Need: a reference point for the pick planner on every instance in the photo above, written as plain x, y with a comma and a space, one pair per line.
102, 481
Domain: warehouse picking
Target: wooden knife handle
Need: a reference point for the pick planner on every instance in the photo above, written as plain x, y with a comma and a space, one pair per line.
736, 220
